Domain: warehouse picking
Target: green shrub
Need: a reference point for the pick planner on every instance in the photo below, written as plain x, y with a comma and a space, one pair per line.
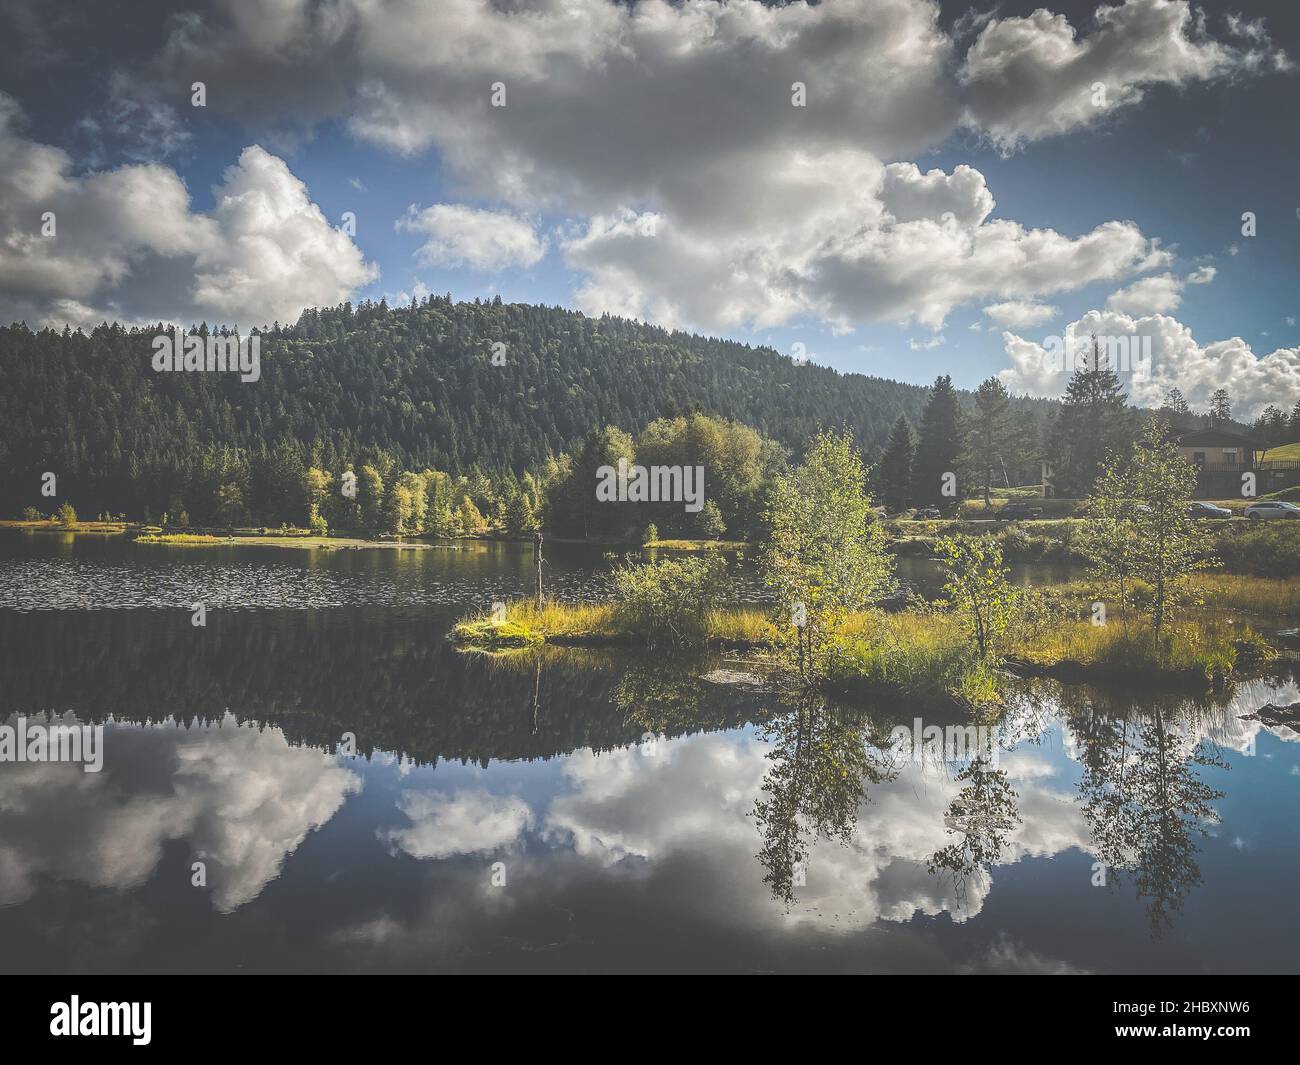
669, 599
1264, 549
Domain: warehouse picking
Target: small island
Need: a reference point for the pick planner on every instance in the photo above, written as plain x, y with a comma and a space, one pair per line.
1138, 619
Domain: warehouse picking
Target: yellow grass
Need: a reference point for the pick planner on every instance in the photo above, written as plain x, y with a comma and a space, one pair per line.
1218, 592
524, 624
102, 528
925, 655
326, 543
1202, 648
740, 625
696, 545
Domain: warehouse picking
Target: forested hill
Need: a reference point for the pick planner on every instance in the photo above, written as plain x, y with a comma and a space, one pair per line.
419, 383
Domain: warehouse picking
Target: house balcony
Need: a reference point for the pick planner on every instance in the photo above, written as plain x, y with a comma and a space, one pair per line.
1223, 467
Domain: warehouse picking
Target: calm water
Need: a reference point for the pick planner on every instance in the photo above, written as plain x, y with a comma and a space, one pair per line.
641, 818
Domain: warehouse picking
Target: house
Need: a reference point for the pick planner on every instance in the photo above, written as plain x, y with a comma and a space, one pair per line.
1217, 450
1221, 458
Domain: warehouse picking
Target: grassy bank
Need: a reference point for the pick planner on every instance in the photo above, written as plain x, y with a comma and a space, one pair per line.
301, 541
923, 655
87, 528
1219, 592
695, 545
1195, 653
597, 625
1262, 549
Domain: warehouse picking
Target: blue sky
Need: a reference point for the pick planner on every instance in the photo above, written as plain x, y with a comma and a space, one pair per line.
819, 226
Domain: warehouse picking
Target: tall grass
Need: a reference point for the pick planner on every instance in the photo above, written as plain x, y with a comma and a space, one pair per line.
739, 626
595, 623
1204, 649
525, 625
696, 545
1217, 591
923, 654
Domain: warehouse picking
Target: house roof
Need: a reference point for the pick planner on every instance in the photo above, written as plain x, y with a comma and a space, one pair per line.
1214, 438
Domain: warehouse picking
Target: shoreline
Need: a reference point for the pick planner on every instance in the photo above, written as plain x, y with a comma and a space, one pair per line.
912, 654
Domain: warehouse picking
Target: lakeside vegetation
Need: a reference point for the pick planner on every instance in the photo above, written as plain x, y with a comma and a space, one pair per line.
1214, 593
288, 540
695, 545
1264, 549
829, 570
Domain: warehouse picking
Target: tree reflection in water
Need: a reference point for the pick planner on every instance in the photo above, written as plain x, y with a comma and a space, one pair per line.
1144, 802
981, 816
381, 676
823, 759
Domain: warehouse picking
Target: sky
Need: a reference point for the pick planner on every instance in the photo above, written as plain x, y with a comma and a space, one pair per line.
903, 188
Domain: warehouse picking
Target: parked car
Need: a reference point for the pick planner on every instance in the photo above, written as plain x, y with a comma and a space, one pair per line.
1019, 512
1272, 509
927, 514
1207, 510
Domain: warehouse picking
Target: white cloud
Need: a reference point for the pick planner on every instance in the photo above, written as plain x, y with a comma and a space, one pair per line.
1150, 295
464, 236
902, 246
1161, 294
242, 797
1019, 314
693, 802
1034, 76
128, 244
1177, 360
931, 342
676, 831
466, 822
682, 112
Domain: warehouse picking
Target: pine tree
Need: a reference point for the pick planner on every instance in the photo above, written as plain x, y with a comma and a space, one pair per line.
519, 517
709, 523
1090, 424
370, 496
941, 449
1220, 407
1175, 402
991, 432
894, 474
1025, 448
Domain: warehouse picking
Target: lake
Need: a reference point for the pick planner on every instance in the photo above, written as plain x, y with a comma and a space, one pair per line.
360, 796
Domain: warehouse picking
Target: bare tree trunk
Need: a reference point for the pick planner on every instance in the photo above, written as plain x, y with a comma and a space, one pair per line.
537, 693
537, 561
